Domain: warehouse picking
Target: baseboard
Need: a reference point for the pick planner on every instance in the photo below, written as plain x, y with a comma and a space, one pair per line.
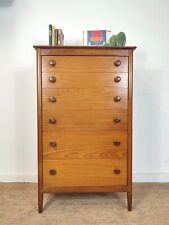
137, 177
151, 177
32, 178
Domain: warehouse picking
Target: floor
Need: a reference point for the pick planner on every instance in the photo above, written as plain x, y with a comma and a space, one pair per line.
18, 206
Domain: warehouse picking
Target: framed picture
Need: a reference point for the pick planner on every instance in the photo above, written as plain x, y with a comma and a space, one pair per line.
96, 37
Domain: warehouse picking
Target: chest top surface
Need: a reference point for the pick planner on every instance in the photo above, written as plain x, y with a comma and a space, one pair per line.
84, 50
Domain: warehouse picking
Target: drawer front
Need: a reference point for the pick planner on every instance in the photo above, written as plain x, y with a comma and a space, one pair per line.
84, 80
85, 145
85, 98
84, 64
94, 172
85, 119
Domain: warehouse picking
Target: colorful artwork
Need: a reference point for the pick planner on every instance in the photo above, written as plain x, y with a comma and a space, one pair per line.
96, 37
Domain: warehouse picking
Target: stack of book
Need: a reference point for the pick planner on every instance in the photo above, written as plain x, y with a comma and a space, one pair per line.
56, 37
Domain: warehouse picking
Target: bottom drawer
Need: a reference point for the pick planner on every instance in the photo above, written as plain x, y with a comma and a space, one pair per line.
93, 172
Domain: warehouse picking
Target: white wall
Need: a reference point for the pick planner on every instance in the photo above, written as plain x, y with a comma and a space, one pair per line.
24, 23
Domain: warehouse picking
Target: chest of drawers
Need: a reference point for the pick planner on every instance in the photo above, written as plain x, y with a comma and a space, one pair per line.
84, 120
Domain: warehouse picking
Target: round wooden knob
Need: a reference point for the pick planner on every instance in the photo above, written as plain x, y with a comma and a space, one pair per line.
117, 79
116, 142
117, 171
117, 99
52, 99
117, 63
52, 79
52, 172
52, 120
52, 62
53, 144
117, 120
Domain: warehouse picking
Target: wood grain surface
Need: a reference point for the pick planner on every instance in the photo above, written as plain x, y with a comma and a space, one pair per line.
84, 119
93, 172
84, 80
85, 98
84, 64
85, 145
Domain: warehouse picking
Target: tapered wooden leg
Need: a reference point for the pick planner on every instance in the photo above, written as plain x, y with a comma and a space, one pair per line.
129, 200
40, 202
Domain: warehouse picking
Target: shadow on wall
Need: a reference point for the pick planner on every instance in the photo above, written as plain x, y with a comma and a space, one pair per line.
147, 116
25, 124
6, 3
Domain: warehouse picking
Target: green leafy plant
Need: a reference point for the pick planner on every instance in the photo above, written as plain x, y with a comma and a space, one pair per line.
117, 40
113, 40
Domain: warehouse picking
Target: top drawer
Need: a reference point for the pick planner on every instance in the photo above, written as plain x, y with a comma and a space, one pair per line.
84, 64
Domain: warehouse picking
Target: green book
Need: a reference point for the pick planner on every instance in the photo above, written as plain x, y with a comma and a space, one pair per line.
50, 34
56, 37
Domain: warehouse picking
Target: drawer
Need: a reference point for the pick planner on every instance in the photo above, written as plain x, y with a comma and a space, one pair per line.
94, 172
84, 80
84, 64
84, 119
85, 145
84, 98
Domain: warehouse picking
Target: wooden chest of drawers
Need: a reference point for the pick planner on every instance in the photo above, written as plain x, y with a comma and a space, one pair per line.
84, 120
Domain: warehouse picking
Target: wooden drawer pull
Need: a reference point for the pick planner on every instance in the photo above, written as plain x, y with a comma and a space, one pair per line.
117, 120
52, 62
53, 144
117, 99
117, 63
117, 171
52, 99
52, 120
52, 79
117, 142
52, 172
117, 79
